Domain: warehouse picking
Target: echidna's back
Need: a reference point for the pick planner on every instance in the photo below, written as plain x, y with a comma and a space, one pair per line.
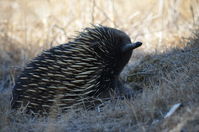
60, 76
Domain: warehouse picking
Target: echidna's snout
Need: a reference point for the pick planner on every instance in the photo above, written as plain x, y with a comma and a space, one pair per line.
136, 45
131, 46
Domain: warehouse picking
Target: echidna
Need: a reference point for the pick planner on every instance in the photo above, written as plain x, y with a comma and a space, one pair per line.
75, 73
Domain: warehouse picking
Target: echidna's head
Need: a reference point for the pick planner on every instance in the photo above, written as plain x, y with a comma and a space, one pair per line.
112, 47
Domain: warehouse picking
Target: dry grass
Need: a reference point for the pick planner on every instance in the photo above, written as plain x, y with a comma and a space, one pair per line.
166, 66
